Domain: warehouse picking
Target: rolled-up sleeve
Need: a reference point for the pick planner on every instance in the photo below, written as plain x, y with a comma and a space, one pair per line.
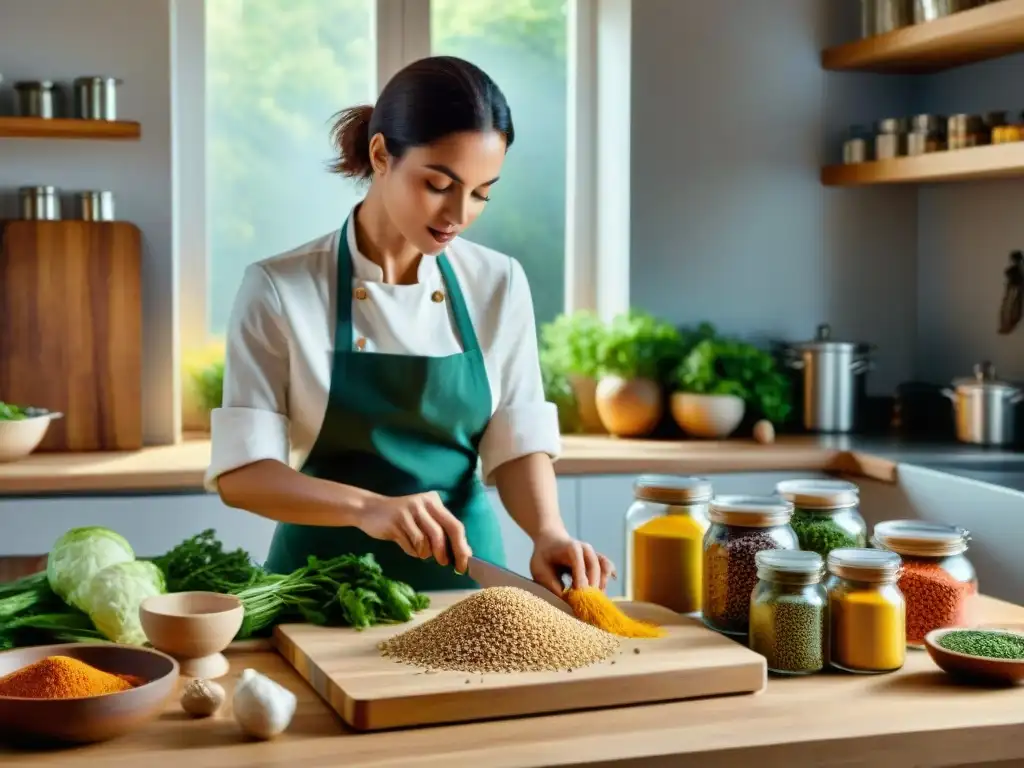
252, 422
523, 421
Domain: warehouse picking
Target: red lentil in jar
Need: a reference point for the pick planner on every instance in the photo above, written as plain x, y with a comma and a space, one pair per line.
938, 581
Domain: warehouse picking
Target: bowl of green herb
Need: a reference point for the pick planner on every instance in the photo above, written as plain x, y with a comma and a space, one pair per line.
984, 655
22, 429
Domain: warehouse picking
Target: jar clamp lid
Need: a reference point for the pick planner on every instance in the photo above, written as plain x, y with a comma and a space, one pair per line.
672, 489
920, 538
819, 494
865, 564
796, 565
750, 511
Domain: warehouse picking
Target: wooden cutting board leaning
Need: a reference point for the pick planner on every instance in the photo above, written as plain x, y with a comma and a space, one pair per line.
372, 692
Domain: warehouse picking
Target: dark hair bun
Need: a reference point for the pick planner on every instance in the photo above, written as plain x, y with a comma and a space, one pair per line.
351, 138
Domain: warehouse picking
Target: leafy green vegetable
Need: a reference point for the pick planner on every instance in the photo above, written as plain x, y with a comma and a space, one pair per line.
31, 614
113, 596
349, 590
79, 555
209, 385
718, 366
12, 412
638, 345
571, 343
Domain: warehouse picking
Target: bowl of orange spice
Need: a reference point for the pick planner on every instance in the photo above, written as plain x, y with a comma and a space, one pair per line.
81, 692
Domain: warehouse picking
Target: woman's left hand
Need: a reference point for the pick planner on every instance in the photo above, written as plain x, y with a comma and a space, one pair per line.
554, 554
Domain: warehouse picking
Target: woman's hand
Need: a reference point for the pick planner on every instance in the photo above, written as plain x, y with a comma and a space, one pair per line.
420, 524
555, 553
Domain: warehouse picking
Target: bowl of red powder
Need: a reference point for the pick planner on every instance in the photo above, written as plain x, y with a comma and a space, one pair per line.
81, 692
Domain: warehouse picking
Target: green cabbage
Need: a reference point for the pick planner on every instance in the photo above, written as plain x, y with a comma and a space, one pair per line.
79, 555
113, 596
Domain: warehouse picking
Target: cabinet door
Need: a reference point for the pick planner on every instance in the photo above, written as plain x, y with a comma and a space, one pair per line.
518, 546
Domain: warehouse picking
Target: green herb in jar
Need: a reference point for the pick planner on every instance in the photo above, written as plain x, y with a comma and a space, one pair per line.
821, 534
990, 645
788, 631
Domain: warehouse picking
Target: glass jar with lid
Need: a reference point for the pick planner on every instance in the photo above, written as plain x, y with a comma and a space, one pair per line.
867, 612
938, 581
741, 526
665, 529
788, 611
826, 514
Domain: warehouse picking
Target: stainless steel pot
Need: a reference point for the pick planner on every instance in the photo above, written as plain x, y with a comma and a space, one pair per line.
96, 97
36, 98
40, 203
833, 380
985, 408
96, 205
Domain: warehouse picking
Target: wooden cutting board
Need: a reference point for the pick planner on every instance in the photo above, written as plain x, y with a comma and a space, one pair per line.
372, 693
71, 329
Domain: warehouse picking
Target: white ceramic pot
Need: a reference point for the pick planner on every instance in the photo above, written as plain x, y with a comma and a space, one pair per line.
19, 438
629, 407
709, 416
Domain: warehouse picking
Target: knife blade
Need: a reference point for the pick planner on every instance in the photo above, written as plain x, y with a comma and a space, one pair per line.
488, 574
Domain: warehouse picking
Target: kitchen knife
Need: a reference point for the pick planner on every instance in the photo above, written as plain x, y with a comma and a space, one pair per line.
491, 575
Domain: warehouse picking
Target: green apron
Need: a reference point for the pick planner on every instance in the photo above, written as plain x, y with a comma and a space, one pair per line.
398, 425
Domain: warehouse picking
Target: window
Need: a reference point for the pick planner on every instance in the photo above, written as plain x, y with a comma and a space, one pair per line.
522, 45
251, 123
276, 72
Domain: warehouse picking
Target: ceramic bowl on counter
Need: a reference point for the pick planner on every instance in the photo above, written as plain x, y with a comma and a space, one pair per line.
194, 628
989, 669
707, 416
92, 718
19, 437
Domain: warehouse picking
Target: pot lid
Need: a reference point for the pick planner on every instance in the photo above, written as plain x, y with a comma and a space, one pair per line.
823, 341
984, 378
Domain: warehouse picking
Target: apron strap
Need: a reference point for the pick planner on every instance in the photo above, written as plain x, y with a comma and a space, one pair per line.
343, 311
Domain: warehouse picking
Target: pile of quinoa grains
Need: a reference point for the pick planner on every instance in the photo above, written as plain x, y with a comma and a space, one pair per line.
938, 581
788, 612
501, 629
741, 526
989, 645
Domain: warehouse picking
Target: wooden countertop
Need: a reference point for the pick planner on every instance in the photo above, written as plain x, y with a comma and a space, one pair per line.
916, 716
181, 467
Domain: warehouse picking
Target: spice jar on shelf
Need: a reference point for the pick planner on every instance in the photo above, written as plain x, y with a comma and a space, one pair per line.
741, 526
938, 581
826, 514
964, 131
788, 612
867, 611
665, 529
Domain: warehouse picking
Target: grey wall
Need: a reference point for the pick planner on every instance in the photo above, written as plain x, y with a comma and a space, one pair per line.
131, 39
966, 232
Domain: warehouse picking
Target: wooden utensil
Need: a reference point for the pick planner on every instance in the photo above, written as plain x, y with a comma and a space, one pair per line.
371, 692
96, 718
193, 627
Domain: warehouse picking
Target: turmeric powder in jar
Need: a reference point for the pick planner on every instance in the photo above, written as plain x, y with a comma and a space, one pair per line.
867, 611
665, 529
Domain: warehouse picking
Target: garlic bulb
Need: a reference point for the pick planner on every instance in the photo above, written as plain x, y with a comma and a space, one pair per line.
262, 707
202, 698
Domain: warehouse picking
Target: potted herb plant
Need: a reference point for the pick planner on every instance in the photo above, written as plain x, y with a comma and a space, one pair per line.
722, 380
637, 354
570, 345
203, 385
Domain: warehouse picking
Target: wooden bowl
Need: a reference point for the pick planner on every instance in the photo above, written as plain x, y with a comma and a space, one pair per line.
95, 718
194, 628
980, 668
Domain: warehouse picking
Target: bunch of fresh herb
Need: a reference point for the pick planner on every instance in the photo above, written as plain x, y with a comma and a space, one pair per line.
570, 344
718, 366
348, 590
208, 382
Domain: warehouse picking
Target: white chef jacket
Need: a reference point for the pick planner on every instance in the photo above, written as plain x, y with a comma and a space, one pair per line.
280, 342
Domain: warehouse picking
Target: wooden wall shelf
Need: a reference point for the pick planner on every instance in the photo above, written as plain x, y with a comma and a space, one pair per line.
987, 32
64, 128
990, 162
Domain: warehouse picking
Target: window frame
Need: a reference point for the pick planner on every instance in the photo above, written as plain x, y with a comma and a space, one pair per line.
597, 204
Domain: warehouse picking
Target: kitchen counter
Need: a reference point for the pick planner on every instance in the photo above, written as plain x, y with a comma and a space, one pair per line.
916, 716
180, 467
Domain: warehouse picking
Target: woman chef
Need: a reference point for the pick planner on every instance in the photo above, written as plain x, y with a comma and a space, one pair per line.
393, 356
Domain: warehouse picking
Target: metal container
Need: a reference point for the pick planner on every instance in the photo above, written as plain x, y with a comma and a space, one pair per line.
985, 409
890, 145
881, 16
96, 205
96, 98
855, 151
833, 380
930, 10
36, 98
39, 203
